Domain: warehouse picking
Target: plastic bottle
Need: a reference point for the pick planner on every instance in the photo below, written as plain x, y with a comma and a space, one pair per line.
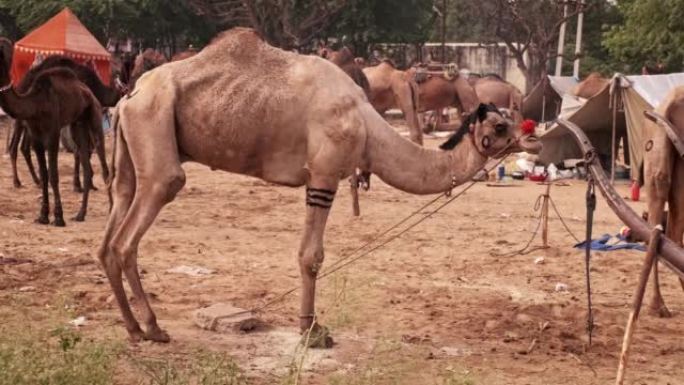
634, 190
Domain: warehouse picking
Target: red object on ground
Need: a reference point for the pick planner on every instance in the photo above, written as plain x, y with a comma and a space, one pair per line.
538, 177
635, 191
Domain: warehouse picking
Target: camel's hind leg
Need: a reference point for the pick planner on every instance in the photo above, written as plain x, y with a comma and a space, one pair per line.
675, 221
158, 177
122, 193
656, 209
82, 154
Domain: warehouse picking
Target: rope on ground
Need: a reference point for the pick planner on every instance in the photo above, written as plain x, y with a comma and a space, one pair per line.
351, 258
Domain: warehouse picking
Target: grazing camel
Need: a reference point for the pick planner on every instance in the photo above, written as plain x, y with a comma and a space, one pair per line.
392, 88
56, 98
664, 181
245, 107
107, 96
590, 86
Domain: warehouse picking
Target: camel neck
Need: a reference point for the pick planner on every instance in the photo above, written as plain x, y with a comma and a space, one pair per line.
15, 105
417, 170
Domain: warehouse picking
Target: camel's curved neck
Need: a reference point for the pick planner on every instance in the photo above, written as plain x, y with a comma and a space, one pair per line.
15, 105
414, 169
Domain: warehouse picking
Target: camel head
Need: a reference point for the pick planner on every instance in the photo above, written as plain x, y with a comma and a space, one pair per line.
6, 49
495, 133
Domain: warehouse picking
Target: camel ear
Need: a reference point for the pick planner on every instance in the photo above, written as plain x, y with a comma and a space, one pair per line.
482, 110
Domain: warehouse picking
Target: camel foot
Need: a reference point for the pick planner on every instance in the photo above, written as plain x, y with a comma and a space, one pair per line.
79, 218
59, 222
93, 188
78, 189
17, 184
135, 336
43, 220
319, 337
660, 310
156, 334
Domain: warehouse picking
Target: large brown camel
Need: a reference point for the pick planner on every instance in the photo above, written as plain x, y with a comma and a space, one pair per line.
107, 96
664, 180
439, 91
590, 86
56, 98
494, 89
245, 107
392, 88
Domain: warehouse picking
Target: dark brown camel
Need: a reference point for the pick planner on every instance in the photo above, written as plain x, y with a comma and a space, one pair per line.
107, 96
56, 98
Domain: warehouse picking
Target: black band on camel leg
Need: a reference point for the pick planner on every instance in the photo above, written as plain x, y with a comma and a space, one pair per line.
319, 197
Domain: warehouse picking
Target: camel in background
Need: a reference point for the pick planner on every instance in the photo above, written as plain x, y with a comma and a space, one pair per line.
55, 99
493, 89
393, 88
440, 89
150, 59
107, 96
289, 119
591, 86
664, 180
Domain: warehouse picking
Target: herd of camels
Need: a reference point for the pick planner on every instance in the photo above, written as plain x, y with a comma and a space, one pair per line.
243, 106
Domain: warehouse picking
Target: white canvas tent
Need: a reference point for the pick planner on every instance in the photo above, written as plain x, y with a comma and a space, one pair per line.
632, 95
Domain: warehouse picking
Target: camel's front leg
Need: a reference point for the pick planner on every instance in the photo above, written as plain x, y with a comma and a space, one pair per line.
319, 199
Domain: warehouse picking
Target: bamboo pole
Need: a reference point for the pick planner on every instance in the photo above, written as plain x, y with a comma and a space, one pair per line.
578, 41
649, 260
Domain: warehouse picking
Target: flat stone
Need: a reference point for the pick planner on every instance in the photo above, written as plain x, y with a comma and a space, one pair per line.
222, 318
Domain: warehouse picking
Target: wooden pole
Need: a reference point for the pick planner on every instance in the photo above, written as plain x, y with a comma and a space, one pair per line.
545, 217
613, 144
651, 258
561, 43
354, 187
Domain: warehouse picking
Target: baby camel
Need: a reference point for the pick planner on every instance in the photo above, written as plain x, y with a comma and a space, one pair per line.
245, 107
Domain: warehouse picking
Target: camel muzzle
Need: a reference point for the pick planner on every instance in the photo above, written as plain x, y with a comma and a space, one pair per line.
530, 144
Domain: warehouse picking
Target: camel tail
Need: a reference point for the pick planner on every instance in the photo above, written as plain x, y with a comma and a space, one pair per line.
116, 132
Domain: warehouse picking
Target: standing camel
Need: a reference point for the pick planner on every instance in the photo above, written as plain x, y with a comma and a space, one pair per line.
56, 98
591, 86
107, 96
245, 107
664, 180
150, 59
392, 88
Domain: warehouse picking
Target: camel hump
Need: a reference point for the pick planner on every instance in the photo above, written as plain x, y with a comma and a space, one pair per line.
43, 79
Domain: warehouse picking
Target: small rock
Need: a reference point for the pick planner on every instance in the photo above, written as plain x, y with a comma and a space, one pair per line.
193, 271
539, 261
223, 317
80, 321
561, 287
27, 288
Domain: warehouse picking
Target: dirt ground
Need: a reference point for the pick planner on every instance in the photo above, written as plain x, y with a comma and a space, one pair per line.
439, 305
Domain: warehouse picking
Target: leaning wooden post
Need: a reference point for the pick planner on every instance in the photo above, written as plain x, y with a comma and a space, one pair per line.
545, 217
354, 187
650, 259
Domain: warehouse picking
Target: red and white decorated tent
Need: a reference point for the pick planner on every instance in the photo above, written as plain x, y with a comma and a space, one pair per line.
65, 35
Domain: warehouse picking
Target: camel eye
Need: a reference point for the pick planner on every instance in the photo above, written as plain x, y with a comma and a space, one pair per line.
500, 128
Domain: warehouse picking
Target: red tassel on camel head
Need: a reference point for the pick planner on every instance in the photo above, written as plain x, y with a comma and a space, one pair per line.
527, 126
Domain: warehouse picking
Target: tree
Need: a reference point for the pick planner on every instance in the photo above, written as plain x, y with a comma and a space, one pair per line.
652, 33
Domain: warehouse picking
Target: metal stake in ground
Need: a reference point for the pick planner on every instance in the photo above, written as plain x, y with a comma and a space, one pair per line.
649, 260
591, 206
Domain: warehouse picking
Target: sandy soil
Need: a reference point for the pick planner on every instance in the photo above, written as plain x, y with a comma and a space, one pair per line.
437, 302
